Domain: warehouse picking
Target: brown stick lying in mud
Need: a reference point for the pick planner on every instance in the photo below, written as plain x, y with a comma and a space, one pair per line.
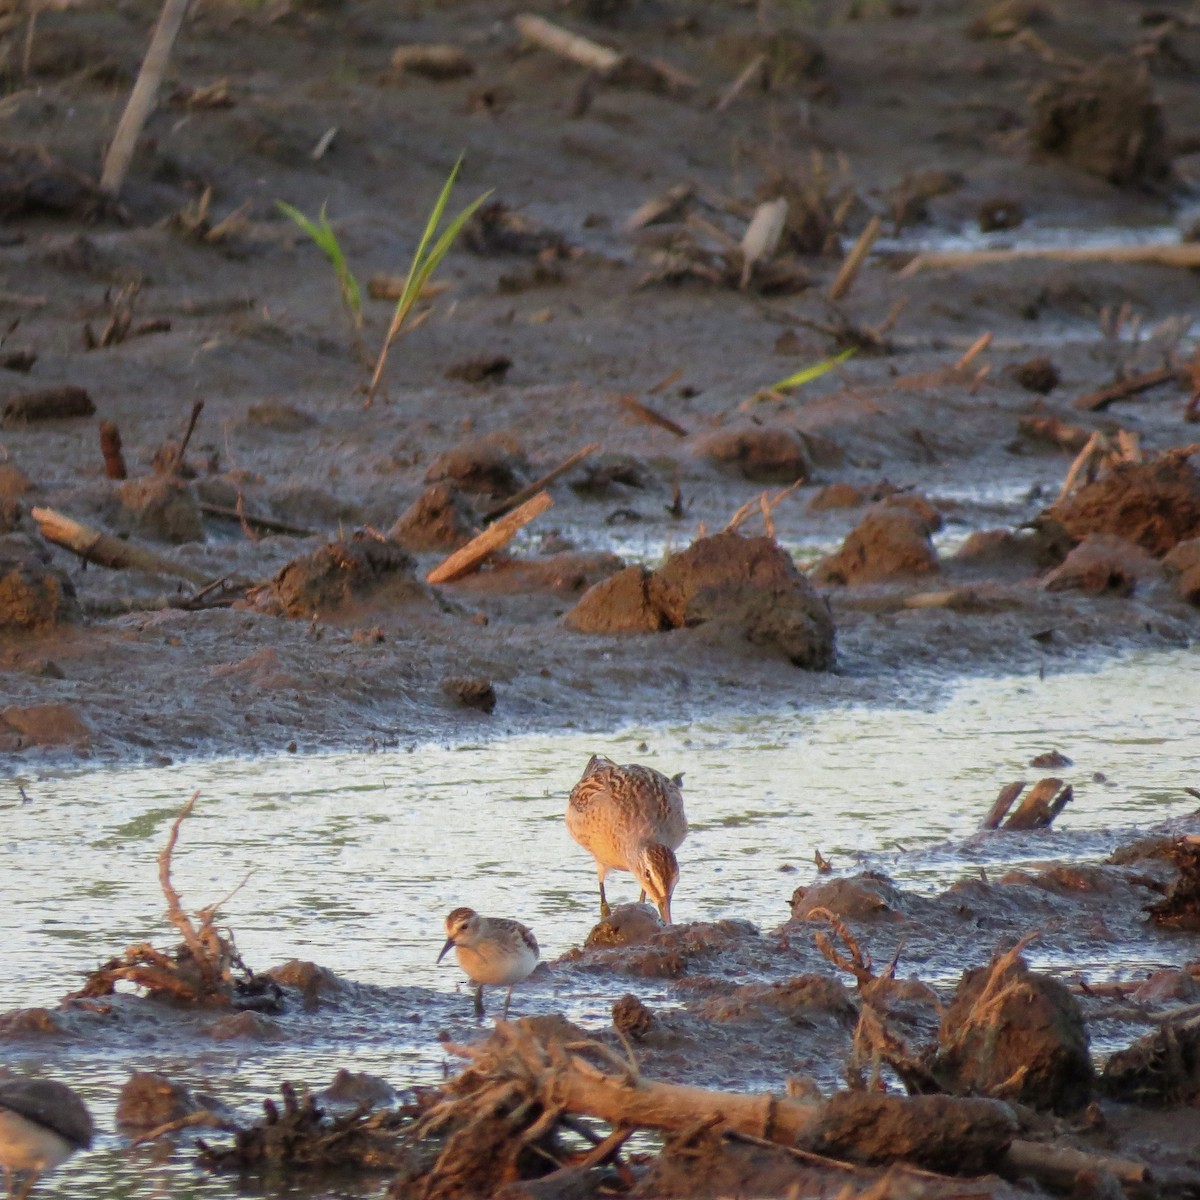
141, 99
531, 490
471, 556
101, 548
266, 524
651, 416
1122, 390
848, 273
1182, 254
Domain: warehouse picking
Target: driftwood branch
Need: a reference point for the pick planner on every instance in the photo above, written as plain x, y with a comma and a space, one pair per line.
1123, 389
1181, 254
104, 550
848, 272
494, 537
141, 99
528, 492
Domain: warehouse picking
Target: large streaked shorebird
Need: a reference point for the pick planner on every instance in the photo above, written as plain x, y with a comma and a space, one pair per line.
42, 1123
491, 950
630, 819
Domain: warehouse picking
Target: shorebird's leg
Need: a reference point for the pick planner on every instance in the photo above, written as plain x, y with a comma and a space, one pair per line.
507, 1002
22, 1193
479, 1001
642, 897
605, 911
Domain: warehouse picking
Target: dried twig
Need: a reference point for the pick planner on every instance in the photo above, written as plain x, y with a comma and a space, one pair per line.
531, 490
848, 272
494, 537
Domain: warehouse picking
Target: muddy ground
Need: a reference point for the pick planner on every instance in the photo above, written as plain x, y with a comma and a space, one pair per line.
899, 101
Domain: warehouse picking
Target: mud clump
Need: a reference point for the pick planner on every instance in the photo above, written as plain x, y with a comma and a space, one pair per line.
160, 507
632, 1017
343, 573
800, 1001
1154, 504
34, 597
1106, 121
45, 725
740, 588
1104, 565
149, 1099
471, 692
889, 543
486, 465
1017, 1035
1183, 568
864, 897
1161, 1069
1180, 907
625, 925
438, 519
763, 454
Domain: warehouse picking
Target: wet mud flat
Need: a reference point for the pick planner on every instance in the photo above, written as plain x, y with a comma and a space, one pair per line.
883, 1040
282, 538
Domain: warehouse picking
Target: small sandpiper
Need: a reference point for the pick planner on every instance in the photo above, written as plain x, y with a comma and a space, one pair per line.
491, 950
630, 819
42, 1123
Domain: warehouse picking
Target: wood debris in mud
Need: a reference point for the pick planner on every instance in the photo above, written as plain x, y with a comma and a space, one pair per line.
1039, 810
205, 970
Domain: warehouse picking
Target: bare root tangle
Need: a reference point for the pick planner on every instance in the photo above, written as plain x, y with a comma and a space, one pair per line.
206, 969
302, 1135
858, 964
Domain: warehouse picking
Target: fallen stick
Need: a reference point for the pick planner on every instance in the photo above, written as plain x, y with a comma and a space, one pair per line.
463, 562
141, 99
1133, 386
749, 71
266, 524
519, 498
650, 416
1044, 801
1167, 254
844, 280
95, 546
977, 347
1059, 1165
562, 42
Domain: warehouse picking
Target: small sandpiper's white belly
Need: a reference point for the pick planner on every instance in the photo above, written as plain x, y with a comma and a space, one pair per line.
487, 963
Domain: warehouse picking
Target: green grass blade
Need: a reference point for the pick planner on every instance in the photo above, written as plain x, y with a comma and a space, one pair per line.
435, 219
808, 374
446, 240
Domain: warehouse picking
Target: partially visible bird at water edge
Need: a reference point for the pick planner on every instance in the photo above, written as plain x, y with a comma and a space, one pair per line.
630, 819
491, 950
42, 1123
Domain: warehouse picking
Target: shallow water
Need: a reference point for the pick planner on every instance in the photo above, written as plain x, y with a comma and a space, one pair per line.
356, 858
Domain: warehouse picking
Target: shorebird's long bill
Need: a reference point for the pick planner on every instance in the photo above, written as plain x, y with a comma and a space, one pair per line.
665, 909
446, 949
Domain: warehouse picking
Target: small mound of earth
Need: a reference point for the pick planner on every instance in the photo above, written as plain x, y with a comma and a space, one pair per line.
1183, 567
1104, 565
762, 453
745, 589
438, 519
43, 725
492, 466
890, 542
856, 897
34, 597
1015, 1034
160, 507
1105, 121
1155, 504
800, 1000
356, 570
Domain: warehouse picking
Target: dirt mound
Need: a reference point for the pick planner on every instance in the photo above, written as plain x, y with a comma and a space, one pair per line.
45, 725
857, 898
741, 588
34, 597
1104, 565
762, 453
438, 519
1106, 121
1012, 1033
488, 465
1183, 566
1155, 504
159, 507
890, 542
356, 570
800, 1000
